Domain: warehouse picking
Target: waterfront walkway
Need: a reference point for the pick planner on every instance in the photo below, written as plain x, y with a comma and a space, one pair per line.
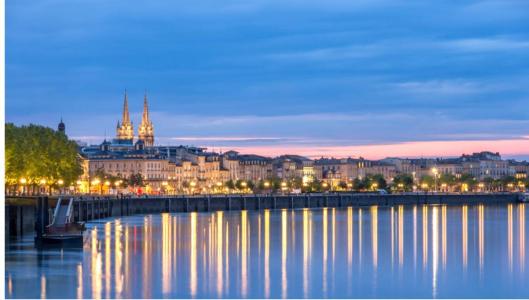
21, 211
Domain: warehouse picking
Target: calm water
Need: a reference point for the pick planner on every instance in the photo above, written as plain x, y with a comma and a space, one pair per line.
404, 251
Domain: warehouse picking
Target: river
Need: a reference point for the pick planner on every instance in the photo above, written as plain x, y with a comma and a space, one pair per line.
425, 251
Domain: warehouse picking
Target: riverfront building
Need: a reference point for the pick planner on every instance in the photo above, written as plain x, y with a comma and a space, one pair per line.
185, 169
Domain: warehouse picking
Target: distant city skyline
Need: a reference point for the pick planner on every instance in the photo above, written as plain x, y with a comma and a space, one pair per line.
366, 78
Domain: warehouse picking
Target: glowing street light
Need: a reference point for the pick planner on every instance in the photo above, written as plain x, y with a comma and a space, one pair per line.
60, 182
43, 181
435, 172
23, 180
267, 184
95, 181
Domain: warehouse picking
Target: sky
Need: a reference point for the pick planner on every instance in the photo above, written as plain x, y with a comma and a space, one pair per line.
370, 78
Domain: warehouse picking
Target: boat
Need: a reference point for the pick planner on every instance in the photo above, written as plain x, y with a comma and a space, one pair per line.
62, 232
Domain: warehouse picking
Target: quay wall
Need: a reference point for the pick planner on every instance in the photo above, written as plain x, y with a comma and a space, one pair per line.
20, 213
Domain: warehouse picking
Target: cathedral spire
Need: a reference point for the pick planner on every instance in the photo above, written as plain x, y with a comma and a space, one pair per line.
145, 116
125, 131
146, 131
126, 117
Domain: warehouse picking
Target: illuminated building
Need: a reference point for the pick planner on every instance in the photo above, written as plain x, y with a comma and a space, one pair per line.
146, 131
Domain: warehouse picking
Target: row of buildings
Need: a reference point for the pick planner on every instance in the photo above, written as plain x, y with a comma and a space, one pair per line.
184, 168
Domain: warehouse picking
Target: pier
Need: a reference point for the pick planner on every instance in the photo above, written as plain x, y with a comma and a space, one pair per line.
22, 212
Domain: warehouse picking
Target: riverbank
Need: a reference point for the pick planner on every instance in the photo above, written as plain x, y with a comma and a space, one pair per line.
20, 212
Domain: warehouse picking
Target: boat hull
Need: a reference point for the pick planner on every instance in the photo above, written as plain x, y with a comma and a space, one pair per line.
60, 241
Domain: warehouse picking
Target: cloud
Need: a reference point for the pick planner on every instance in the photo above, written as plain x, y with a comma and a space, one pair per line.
510, 148
487, 44
446, 87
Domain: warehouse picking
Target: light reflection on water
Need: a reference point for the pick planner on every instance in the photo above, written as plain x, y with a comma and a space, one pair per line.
402, 251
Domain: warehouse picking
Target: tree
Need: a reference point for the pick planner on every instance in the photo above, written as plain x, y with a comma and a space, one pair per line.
136, 180
315, 186
403, 182
40, 154
230, 184
376, 180
296, 183
358, 184
506, 180
342, 185
467, 180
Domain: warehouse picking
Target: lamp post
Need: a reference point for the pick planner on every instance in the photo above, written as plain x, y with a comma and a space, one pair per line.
23, 181
96, 182
435, 172
60, 182
43, 183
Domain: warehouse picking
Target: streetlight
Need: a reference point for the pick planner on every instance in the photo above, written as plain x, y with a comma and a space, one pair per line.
43, 183
60, 182
23, 181
267, 184
435, 172
96, 182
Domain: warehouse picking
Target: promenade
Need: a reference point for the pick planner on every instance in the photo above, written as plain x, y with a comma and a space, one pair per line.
21, 211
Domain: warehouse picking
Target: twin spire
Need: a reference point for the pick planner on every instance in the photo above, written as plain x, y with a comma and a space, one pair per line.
125, 129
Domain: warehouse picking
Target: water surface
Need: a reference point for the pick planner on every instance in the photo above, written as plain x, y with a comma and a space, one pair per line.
403, 251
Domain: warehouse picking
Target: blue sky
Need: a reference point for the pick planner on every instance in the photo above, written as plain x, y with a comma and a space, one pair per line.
276, 74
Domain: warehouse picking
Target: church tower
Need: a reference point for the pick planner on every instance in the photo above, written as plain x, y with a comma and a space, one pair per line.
61, 128
125, 130
146, 131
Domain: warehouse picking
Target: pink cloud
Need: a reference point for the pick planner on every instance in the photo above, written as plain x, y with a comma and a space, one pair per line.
515, 147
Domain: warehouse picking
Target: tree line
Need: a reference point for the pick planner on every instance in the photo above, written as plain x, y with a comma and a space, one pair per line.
38, 157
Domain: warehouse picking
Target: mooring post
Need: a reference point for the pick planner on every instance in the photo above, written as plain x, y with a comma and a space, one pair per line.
187, 204
47, 214
92, 213
39, 219
275, 202
258, 203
